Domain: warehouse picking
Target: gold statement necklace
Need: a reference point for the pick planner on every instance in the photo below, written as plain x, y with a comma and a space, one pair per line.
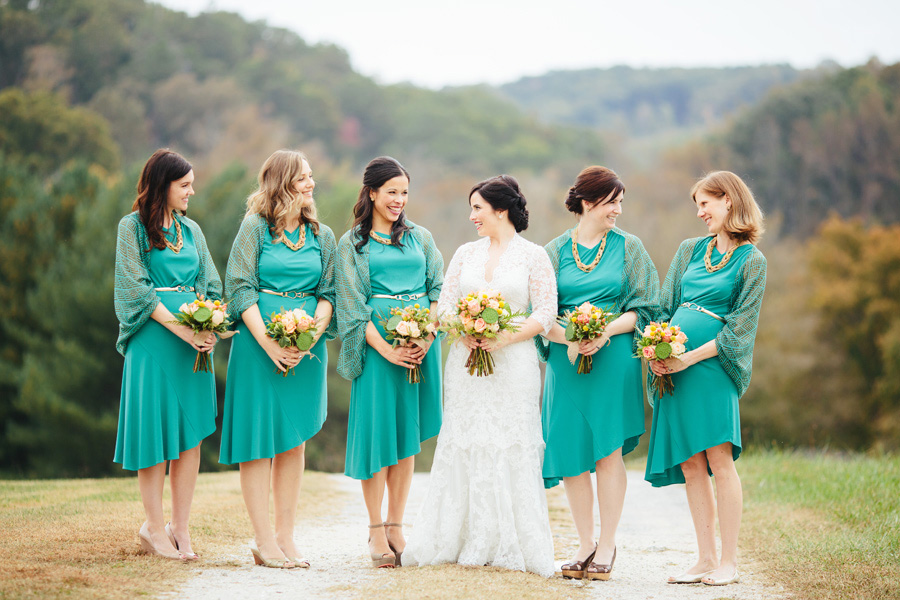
302, 240
179, 238
596, 261
707, 260
379, 239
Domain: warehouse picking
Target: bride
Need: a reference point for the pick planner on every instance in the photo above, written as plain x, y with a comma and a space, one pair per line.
486, 502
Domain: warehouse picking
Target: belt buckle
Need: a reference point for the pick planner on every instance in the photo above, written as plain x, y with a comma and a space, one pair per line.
406, 297
183, 288
293, 295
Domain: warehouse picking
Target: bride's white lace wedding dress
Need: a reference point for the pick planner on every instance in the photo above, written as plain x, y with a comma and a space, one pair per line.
486, 503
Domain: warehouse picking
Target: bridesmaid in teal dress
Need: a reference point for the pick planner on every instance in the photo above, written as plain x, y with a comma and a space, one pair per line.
591, 420
713, 291
165, 409
282, 258
386, 261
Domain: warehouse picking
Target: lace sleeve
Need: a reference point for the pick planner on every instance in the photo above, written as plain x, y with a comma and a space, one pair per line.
325, 288
135, 298
734, 343
450, 293
242, 271
353, 312
434, 265
640, 293
209, 282
542, 289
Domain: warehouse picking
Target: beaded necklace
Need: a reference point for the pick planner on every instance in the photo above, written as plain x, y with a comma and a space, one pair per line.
707, 260
596, 261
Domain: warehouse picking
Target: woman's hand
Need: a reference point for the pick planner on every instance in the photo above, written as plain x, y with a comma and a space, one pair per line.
284, 358
667, 366
203, 341
590, 347
405, 356
503, 339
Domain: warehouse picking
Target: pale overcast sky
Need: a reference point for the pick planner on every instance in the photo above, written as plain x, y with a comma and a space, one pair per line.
495, 41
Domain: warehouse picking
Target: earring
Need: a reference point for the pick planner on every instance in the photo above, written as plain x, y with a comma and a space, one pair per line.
501, 216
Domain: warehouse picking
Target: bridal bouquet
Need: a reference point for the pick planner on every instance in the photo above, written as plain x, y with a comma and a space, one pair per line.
292, 328
587, 322
201, 316
409, 326
483, 316
660, 341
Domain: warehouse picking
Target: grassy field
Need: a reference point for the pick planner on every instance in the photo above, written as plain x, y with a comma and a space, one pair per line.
78, 537
827, 527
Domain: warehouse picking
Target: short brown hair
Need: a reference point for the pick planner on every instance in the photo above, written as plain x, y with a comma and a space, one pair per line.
592, 186
744, 222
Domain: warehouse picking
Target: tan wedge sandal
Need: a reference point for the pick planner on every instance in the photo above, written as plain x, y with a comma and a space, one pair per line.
386, 560
394, 550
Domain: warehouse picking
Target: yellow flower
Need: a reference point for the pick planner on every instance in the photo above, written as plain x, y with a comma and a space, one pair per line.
216, 302
501, 304
416, 305
585, 327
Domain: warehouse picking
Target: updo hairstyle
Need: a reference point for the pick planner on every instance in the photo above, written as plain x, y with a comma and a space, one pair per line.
593, 185
502, 193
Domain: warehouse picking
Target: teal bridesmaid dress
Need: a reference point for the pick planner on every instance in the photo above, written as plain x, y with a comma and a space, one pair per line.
389, 417
587, 417
703, 411
165, 408
265, 413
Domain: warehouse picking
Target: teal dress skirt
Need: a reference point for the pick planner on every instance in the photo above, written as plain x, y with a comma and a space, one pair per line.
165, 408
588, 417
265, 413
703, 411
389, 417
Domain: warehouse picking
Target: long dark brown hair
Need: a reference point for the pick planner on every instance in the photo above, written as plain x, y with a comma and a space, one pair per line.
502, 193
152, 201
378, 172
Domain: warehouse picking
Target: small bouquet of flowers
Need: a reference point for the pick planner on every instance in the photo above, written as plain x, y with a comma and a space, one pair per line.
660, 341
204, 315
292, 328
482, 315
587, 322
409, 326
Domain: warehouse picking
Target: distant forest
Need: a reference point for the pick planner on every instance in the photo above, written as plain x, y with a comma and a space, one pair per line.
89, 88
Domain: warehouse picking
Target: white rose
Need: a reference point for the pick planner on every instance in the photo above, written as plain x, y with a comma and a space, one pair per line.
218, 316
183, 308
677, 349
414, 330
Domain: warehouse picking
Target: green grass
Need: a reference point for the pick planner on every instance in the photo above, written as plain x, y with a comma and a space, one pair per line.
828, 526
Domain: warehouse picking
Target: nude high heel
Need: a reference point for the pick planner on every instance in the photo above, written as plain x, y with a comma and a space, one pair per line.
187, 555
391, 546
149, 547
276, 563
385, 560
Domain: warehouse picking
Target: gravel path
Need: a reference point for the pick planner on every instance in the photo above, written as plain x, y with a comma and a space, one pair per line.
655, 540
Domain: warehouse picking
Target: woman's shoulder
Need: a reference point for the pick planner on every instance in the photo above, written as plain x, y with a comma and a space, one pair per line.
130, 221
325, 231
560, 240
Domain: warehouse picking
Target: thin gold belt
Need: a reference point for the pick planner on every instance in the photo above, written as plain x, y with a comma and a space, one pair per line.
697, 307
288, 294
400, 297
177, 288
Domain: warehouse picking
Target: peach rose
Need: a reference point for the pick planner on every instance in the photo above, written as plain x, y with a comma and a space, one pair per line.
480, 325
218, 316
290, 324
414, 330
649, 352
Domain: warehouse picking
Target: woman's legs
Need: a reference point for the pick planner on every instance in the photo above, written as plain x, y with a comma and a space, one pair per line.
150, 483
183, 479
730, 501
703, 511
255, 481
287, 472
398, 481
580, 494
373, 495
611, 483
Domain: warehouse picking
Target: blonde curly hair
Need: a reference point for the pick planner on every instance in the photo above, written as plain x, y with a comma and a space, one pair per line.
275, 196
